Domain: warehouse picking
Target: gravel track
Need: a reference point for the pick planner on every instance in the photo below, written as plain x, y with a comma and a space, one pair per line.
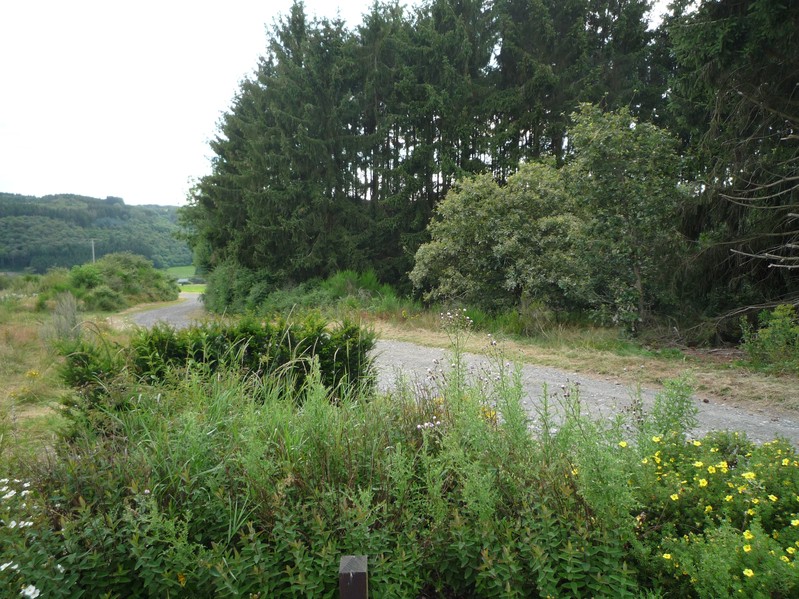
600, 397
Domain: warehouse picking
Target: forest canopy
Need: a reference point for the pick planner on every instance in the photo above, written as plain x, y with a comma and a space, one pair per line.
339, 152
38, 234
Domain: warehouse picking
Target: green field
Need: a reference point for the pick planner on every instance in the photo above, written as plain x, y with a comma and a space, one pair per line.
181, 272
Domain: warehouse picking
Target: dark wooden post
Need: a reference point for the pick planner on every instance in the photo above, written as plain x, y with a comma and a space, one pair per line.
353, 577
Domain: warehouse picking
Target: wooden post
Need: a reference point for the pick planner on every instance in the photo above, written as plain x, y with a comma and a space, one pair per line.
353, 577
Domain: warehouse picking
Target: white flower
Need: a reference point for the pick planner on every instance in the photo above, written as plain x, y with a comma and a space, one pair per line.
30, 591
12, 524
10, 494
12, 565
60, 568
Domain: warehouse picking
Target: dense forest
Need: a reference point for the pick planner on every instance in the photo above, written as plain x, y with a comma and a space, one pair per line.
570, 152
57, 230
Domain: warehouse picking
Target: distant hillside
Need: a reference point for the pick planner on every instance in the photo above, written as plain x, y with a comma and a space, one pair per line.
56, 230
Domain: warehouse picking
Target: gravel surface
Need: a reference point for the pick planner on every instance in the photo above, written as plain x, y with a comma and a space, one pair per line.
599, 396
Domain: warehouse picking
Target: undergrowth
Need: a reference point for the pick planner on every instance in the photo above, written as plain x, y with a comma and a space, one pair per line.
220, 483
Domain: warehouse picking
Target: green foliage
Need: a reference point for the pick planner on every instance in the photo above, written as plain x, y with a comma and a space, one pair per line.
56, 231
624, 180
492, 246
117, 281
264, 349
222, 485
774, 345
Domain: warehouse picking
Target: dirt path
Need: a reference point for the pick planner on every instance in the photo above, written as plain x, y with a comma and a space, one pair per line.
600, 397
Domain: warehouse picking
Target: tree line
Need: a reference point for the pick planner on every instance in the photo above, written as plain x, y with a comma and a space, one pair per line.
37, 234
337, 151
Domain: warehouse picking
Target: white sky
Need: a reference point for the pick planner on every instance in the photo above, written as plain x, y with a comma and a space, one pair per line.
119, 98
103, 97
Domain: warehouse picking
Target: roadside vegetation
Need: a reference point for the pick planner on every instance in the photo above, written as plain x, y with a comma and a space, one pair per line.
199, 474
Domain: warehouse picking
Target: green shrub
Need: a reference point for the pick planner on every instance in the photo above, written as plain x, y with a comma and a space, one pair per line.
775, 343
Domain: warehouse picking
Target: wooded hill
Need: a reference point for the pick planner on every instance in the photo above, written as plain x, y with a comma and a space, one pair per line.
57, 230
339, 151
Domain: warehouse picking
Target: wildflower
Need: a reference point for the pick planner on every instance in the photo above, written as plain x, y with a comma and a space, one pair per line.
11, 565
708, 509
698, 464
748, 535
748, 475
791, 550
181, 579
59, 568
785, 558
675, 497
747, 548
755, 501
656, 439
622, 443
748, 573
10, 494
728, 498
702, 482
711, 469
741, 489
667, 556
786, 462
645, 461
696, 443
30, 591
795, 522
772, 497
751, 512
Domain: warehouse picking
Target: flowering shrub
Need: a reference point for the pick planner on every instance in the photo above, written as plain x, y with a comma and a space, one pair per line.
720, 515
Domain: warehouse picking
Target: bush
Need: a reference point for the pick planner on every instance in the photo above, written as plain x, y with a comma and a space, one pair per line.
774, 345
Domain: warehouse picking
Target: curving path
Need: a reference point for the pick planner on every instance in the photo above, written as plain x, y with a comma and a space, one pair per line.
603, 398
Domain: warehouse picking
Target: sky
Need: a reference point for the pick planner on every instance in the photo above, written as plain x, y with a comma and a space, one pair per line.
120, 98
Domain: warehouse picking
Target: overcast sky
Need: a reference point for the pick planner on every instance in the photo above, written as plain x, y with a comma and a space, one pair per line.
119, 98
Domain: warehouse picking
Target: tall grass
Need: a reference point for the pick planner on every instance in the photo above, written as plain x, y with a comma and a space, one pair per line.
222, 484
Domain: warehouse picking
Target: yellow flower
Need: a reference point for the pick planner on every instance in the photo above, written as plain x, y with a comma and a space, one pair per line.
675, 497
786, 462
748, 573
698, 464
728, 498
622, 443
795, 522
702, 482
772, 497
696, 443
748, 475
748, 535
791, 550
755, 501
656, 439
785, 558
751, 512
741, 489
181, 579
645, 461
747, 548
708, 509
711, 469
667, 556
